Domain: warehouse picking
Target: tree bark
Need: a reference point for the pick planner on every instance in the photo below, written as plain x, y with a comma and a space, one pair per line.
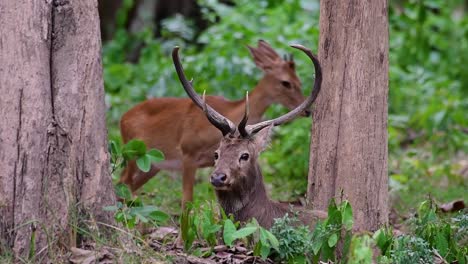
53, 140
348, 156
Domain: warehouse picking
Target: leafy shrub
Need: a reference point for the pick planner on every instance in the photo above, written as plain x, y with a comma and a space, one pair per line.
409, 249
294, 238
209, 227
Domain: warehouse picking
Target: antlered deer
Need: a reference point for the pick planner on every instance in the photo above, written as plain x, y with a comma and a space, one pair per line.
237, 177
180, 130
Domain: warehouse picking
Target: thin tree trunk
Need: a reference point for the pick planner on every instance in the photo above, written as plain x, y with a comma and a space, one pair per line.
53, 140
349, 137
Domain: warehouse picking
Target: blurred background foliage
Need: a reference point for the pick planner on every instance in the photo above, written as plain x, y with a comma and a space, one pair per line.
428, 96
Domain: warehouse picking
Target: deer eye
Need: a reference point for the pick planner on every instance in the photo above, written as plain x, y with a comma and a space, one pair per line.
286, 84
216, 155
244, 156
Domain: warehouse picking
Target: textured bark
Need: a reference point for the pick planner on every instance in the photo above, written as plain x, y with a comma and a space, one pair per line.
349, 138
53, 139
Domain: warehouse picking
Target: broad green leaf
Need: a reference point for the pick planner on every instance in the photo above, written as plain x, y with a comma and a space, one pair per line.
210, 229
265, 251
228, 232
155, 155
274, 243
332, 240
244, 232
122, 191
441, 243
115, 150
134, 148
144, 163
111, 208
142, 218
159, 216
347, 214
263, 236
334, 215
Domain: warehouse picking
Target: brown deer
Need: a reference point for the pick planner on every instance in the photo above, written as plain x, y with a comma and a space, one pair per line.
237, 177
180, 130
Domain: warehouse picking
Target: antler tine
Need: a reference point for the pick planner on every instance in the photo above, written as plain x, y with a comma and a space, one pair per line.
215, 118
241, 127
252, 129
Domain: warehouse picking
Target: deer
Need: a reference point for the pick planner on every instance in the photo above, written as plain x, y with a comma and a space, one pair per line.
237, 178
180, 130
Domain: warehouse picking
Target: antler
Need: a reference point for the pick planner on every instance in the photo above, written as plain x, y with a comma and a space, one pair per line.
243, 122
252, 129
215, 118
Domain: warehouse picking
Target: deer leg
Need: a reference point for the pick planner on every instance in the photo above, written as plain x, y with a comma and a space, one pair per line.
188, 180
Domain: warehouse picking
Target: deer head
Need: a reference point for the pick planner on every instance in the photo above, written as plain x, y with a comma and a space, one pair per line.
236, 167
279, 76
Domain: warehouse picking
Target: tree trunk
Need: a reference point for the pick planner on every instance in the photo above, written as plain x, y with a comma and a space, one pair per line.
53, 140
349, 139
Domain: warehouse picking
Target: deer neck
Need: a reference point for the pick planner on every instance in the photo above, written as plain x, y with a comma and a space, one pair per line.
243, 199
259, 101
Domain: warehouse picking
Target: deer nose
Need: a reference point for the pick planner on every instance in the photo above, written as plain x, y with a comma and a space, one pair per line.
218, 179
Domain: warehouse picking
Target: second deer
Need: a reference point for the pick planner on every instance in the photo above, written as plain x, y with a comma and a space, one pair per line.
237, 177
180, 130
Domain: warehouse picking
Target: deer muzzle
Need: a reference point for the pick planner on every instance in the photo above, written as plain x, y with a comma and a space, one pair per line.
218, 180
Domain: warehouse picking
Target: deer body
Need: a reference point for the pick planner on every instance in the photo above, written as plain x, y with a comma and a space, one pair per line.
178, 128
237, 176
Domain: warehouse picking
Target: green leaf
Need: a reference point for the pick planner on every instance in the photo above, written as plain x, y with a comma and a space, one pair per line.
347, 214
110, 208
142, 218
332, 240
244, 232
115, 150
441, 244
144, 163
155, 155
274, 243
159, 217
122, 191
265, 251
334, 215
209, 229
228, 232
383, 239
263, 236
186, 227
134, 148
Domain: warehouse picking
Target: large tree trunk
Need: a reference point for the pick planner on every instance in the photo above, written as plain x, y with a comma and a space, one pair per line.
349, 138
53, 145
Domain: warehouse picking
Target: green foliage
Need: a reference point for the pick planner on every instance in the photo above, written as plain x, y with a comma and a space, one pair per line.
134, 149
132, 212
438, 232
409, 249
361, 250
294, 238
209, 227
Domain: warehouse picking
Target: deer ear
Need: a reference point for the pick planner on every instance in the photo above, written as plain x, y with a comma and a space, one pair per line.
262, 138
260, 60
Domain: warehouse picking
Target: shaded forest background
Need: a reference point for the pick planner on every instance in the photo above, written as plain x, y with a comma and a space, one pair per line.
428, 128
